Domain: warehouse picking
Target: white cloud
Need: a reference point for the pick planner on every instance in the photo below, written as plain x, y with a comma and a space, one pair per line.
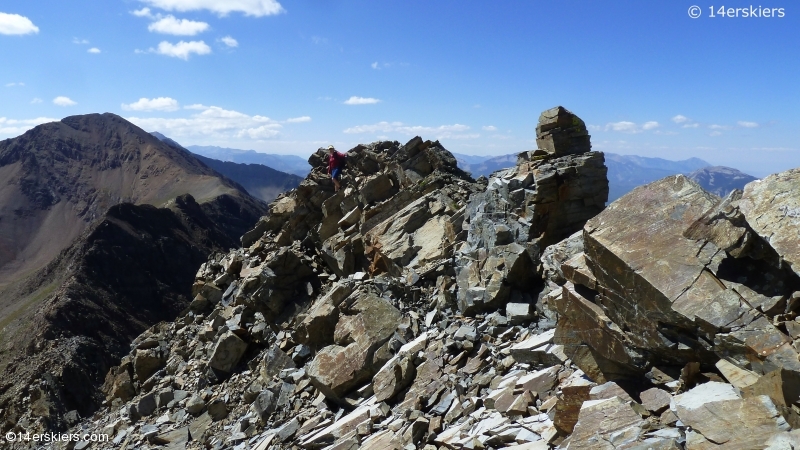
455, 131
36, 100
622, 127
490, 128
594, 127
213, 123
719, 127
375, 65
744, 124
94, 50
257, 8
679, 119
361, 101
16, 127
230, 42
182, 49
299, 119
178, 27
631, 127
16, 24
685, 122
14, 84
197, 106
155, 104
80, 41
63, 101
144, 12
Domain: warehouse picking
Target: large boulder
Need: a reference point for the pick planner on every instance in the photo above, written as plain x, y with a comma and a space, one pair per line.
646, 294
772, 209
363, 327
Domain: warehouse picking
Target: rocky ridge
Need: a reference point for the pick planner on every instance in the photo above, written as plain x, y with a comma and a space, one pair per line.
665, 321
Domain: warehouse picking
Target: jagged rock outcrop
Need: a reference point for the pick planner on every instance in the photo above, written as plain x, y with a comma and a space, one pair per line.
645, 332
548, 196
338, 320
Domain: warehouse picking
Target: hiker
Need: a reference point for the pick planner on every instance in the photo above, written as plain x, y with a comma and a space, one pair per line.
335, 165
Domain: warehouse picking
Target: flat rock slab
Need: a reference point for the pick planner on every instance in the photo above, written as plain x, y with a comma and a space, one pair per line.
606, 424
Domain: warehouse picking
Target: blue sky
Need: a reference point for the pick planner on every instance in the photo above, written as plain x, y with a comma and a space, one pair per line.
288, 77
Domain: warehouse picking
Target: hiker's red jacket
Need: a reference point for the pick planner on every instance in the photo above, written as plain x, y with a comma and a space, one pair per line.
335, 160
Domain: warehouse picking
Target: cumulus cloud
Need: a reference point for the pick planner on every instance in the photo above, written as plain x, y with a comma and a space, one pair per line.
155, 104
144, 12
299, 119
744, 124
361, 101
80, 41
213, 123
94, 50
685, 122
63, 101
182, 49
256, 8
455, 131
490, 128
14, 127
177, 27
623, 127
230, 42
16, 24
679, 119
719, 127
631, 127
14, 84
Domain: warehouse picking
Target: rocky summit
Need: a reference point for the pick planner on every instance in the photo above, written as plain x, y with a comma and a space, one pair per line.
418, 308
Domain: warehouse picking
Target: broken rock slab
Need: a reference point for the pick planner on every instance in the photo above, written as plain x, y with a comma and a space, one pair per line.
606, 424
721, 417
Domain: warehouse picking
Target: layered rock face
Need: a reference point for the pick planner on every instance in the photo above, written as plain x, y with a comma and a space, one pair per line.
548, 196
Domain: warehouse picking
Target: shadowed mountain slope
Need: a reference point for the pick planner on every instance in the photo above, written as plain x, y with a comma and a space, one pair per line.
259, 180
284, 163
101, 228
